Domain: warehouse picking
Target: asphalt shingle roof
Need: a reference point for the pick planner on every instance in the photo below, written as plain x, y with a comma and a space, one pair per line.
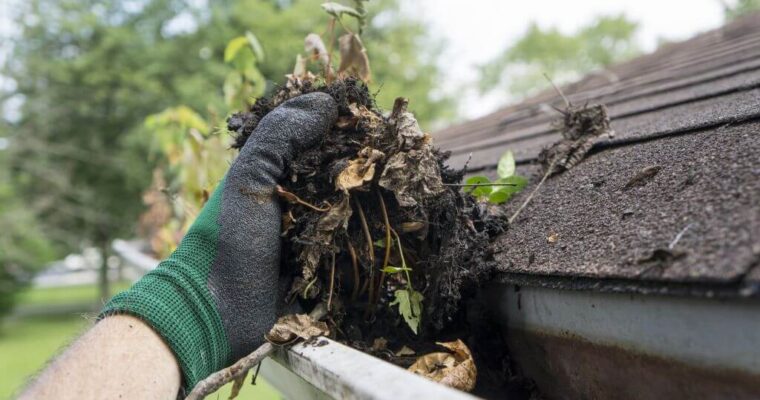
691, 111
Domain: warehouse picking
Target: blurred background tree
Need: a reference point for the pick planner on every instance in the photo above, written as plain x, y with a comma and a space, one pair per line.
564, 57
87, 73
737, 8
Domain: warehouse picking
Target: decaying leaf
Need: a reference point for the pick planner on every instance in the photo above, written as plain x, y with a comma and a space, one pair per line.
424, 184
337, 10
334, 219
405, 351
315, 47
409, 306
359, 170
417, 154
455, 370
353, 56
288, 222
412, 226
580, 127
294, 326
379, 344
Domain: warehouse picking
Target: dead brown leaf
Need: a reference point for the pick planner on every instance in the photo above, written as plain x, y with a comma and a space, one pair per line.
379, 344
359, 170
353, 56
405, 351
335, 219
455, 370
552, 237
314, 45
291, 327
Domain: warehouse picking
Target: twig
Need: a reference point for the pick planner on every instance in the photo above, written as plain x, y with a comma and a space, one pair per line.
678, 237
387, 257
332, 283
567, 102
355, 265
240, 368
479, 184
533, 193
371, 252
293, 198
255, 375
403, 261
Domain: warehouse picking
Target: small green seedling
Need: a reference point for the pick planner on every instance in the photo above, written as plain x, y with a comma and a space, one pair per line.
501, 189
409, 301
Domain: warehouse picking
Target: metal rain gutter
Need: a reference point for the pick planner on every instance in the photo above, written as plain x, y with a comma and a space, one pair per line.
585, 344
328, 370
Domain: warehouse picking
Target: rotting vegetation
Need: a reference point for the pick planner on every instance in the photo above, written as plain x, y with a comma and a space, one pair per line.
378, 227
373, 212
382, 237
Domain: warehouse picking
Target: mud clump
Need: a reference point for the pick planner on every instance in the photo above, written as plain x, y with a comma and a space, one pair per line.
373, 227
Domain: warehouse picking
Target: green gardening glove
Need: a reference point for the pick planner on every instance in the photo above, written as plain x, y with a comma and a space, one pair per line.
215, 297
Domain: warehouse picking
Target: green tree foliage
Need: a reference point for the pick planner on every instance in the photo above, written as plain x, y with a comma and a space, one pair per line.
23, 244
403, 59
739, 7
563, 57
87, 73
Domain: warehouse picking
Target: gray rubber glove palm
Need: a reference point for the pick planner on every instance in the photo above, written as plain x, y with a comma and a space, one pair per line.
215, 297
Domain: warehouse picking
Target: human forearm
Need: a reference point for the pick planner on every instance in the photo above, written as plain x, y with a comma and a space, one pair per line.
119, 357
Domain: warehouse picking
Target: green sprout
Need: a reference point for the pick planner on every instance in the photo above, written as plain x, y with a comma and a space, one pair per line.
501, 189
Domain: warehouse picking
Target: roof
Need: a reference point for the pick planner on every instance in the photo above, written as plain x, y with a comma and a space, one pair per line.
689, 114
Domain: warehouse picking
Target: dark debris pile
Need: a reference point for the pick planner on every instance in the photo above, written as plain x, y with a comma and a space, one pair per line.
371, 214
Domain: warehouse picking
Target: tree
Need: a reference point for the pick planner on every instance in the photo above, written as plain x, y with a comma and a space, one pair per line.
88, 72
563, 57
739, 8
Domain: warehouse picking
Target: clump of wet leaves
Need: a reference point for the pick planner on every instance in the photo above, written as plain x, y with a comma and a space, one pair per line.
374, 223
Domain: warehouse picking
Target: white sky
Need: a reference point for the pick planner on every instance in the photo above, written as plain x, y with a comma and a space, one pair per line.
478, 30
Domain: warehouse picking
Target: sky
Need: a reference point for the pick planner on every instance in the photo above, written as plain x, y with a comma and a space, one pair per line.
476, 31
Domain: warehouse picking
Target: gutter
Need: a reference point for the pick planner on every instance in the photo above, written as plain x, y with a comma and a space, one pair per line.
587, 344
327, 369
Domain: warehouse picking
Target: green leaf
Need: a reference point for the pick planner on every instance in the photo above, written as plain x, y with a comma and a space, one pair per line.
499, 197
337, 9
409, 306
506, 167
500, 194
258, 51
233, 48
394, 270
379, 243
517, 183
475, 180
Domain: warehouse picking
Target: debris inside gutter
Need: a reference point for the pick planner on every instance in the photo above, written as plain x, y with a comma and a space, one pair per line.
379, 229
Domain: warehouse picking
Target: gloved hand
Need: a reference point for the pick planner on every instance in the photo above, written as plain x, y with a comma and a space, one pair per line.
215, 297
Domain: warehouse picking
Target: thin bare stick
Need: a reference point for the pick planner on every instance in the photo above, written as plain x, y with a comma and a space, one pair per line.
332, 283
355, 265
533, 193
293, 198
233, 372
387, 257
371, 252
241, 367
567, 102
478, 184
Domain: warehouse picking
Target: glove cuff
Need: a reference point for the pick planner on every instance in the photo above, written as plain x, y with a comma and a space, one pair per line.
175, 301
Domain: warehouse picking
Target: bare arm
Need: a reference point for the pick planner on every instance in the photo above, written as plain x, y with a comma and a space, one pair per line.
119, 357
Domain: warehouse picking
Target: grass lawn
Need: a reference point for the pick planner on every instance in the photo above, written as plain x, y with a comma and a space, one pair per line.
66, 294
27, 343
